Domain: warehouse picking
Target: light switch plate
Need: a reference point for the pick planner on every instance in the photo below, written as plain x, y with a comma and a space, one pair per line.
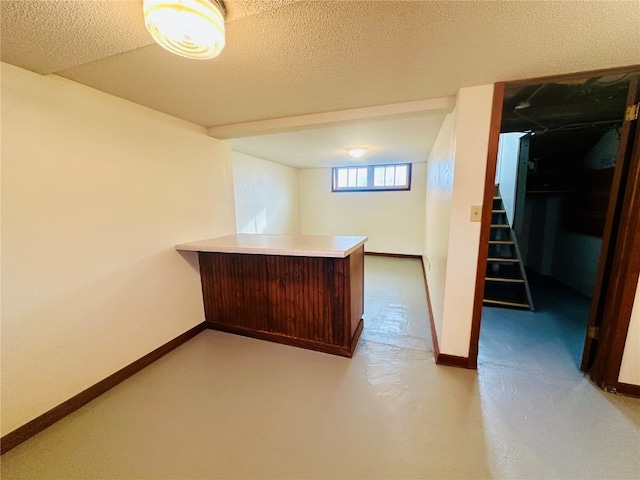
476, 213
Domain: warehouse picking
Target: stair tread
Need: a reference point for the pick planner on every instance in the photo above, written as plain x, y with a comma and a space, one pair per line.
504, 279
506, 304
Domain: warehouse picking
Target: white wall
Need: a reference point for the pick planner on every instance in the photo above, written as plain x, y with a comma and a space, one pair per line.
266, 196
437, 216
96, 191
393, 221
455, 182
630, 368
507, 170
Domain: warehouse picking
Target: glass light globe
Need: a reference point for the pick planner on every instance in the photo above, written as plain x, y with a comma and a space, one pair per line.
189, 28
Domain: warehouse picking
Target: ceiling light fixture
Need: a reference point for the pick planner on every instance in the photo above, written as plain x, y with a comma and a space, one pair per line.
357, 152
189, 28
524, 104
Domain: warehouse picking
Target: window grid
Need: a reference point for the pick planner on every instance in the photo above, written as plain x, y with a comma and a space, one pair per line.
371, 178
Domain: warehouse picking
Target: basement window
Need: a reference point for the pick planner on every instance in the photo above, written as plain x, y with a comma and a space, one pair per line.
371, 178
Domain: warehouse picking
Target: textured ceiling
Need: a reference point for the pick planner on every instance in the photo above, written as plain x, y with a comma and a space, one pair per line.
51, 36
286, 58
402, 138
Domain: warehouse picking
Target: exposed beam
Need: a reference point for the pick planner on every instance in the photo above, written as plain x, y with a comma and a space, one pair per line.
277, 125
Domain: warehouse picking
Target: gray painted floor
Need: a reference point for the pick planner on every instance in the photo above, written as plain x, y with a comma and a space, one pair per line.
224, 406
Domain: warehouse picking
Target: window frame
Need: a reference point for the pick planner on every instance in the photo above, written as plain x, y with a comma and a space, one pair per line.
370, 179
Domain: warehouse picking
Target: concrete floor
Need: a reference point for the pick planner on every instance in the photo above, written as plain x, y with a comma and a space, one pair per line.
546, 417
224, 406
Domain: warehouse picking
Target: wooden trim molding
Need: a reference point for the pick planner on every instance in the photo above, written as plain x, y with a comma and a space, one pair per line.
395, 255
434, 335
625, 263
454, 361
609, 239
485, 226
28, 430
628, 389
343, 351
441, 358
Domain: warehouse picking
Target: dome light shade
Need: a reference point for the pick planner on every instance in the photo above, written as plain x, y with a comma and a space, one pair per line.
189, 28
357, 152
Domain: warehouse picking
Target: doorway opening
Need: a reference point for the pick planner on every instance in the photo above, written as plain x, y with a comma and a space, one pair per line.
556, 183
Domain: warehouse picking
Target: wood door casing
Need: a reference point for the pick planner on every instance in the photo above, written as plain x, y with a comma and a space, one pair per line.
620, 269
485, 225
612, 314
610, 270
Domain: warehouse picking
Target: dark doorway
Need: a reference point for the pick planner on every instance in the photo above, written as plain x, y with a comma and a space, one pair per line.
564, 218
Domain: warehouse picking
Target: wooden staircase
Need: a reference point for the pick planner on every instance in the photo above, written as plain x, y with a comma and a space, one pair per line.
505, 280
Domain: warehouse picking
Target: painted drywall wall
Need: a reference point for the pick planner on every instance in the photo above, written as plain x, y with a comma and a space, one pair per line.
437, 216
96, 191
604, 152
472, 122
266, 196
575, 260
575, 255
507, 170
630, 368
540, 228
570, 257
393, 221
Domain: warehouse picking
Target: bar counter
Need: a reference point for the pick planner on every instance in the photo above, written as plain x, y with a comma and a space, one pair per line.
300, 290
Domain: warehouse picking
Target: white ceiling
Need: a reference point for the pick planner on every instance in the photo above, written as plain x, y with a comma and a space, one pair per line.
402, 138
287, 58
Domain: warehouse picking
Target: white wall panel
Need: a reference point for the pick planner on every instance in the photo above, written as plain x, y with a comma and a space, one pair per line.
96, 191
393, 221
266, 196
473, 116
438, 215
630, 368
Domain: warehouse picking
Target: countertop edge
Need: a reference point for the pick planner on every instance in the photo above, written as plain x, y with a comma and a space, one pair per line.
293, 252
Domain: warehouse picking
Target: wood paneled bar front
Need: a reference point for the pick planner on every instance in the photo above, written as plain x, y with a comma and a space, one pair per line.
300, 290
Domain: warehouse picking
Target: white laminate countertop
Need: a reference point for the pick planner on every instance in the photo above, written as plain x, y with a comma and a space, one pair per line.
288, 245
